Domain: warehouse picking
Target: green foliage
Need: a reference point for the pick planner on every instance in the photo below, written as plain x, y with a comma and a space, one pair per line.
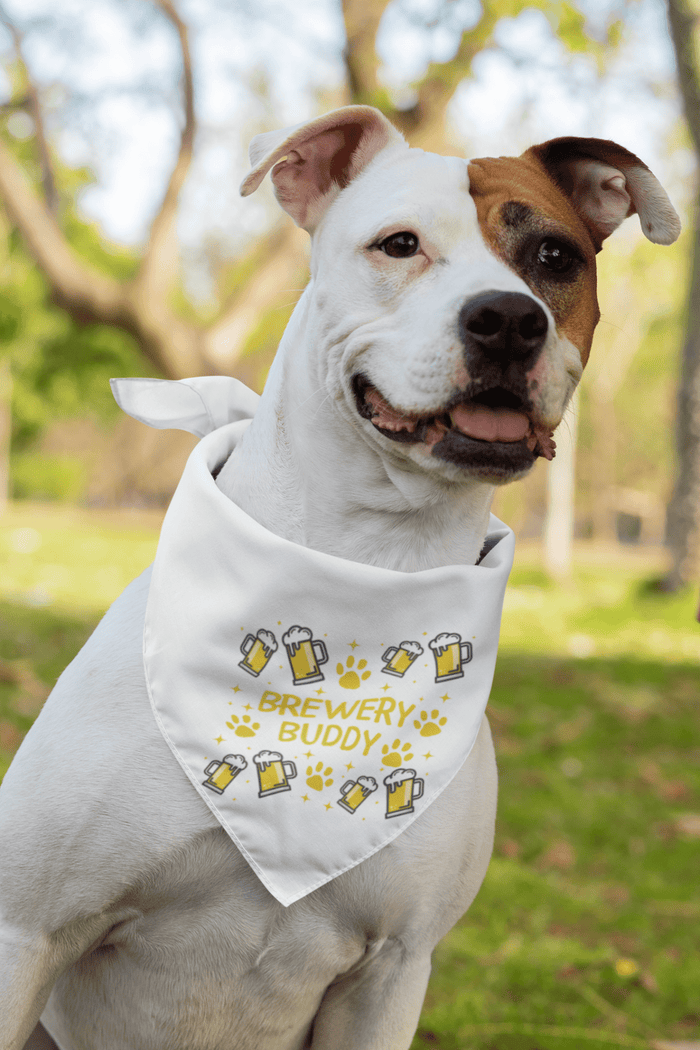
60, 368
60, 478
570, 25
66, 374
10, 318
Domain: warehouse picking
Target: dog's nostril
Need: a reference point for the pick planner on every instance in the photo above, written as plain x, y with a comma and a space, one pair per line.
485, 322
503, 325
533, 325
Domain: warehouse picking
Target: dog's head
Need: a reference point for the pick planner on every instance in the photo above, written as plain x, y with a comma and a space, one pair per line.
453, 302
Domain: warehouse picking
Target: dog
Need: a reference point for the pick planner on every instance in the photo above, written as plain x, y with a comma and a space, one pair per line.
448, 319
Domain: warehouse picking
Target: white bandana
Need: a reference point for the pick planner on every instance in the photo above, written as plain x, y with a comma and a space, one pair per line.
317, 705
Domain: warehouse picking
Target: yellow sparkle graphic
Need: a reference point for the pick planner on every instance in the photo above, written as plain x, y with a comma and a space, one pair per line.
353, 645
304, 798
349, 766
385, 687
219, 739
321, 690
236, 688
427, 755
445, 697
309, 754
328, 805
247, 707
279, 623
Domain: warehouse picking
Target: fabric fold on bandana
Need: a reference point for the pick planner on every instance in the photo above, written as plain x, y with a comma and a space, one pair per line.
199, 405
317, 705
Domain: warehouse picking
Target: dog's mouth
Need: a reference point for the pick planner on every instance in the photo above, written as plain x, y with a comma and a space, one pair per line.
491, 430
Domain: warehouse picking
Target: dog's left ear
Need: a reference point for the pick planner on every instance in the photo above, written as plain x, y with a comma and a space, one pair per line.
605, 184
314, 161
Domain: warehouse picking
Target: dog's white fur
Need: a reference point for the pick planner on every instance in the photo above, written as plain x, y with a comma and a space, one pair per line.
128, 917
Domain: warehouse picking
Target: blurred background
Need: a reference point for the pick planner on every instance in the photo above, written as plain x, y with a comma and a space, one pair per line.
126, 250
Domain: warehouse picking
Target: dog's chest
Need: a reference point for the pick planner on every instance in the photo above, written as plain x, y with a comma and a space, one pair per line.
205, 961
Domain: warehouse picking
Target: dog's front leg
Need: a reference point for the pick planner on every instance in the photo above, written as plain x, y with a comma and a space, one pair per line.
26, 979
30, 964
378, 1005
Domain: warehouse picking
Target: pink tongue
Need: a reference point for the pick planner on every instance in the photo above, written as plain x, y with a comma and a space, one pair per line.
490, 424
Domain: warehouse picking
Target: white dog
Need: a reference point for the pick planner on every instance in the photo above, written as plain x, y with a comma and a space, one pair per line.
447, 321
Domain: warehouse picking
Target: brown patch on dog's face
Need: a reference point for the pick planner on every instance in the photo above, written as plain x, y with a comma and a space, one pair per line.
528, 223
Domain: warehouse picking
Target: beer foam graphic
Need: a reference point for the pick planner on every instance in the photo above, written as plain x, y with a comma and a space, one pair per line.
443, 640
264, 758
412, 647
399, 775
268, 639
367, 782
296, 635
236, 760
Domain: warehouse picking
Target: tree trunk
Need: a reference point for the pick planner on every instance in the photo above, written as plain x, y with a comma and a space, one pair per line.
561, 485
683, 515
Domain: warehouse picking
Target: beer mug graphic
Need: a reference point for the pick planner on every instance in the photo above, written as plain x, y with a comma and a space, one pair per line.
398, 660
354, 792
220, 774
257, 650
450, 653
402, 789
274, 773
305, 655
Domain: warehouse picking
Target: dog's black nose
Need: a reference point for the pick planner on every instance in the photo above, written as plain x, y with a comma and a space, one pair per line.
503, 326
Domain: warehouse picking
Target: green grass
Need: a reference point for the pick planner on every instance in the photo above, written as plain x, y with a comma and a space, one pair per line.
60, 569
585, 931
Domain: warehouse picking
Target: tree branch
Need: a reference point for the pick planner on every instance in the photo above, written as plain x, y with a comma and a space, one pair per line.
160, 264
277, 270
684, 24
173, 345
362, 18
423, 122
34, 106
76, 286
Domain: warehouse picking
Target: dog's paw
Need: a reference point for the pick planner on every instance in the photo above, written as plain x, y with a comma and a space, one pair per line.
397, 754
244, 728
427, 728
315, 780
351, 679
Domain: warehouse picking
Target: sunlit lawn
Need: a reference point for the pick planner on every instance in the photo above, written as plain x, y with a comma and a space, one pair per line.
586, 931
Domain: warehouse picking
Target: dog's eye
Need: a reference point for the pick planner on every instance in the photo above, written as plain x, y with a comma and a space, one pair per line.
400, 245
555, 255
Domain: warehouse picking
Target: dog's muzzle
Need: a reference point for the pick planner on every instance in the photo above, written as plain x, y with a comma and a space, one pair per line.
489, 427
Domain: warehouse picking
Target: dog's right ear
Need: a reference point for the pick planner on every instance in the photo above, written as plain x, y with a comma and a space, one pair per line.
314, 161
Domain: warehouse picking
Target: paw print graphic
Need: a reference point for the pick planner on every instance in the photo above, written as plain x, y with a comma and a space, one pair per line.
399, 753
315, 779
245, 727
351, 679
429, 728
